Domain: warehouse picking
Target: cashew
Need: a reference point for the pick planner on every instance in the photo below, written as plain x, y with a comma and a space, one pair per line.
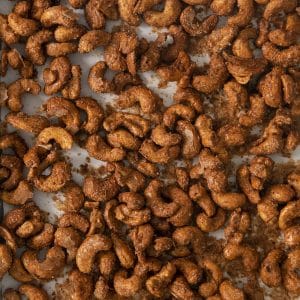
14, 165
75, 220
18, 272
60, 49
33, 292
42, 239
189, 96
182, 178
127, 14
249, 256
232, 135
107, 263
6, 33
22, 26
93, 39
9, 239
34, 48
6, 259
66, 34
73, 198
15, 142
141, 237
229, 291
73, 88
172, 10
94, 114
194, 26
242, 69
47, 269
109, 215
211, 223
126, 286
277, 6
285, 58
147, 100
33, 124
156, 284
270, 272
176, 111
215, 276
20, 195
294, 181
290, 276
191, 271
230, 200
58, 134
156, 203
288, 214
291, 236
241, 47
244, 15
66, 111
215, 78
96, 79
17, 89
57, 75
58, 15
222, 7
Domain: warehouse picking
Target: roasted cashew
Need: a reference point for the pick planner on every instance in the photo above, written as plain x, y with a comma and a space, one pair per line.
222, 7
126, 286
6, 259
58, 15
93, 39
276, 6
66, 34
15, 142
22, 26
18, 272
73, 88
290, 276
288, 214
14, 165
244, 15
42, 239
211, 223
190, 270
33, 292
241, 47
189, 96
126, 10
229, 200
177, 111
6, 33
228, 291
180, 289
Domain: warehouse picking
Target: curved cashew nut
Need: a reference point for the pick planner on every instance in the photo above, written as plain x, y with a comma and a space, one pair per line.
17, 89
127, 13
6, 259
270, 272
289, 213
73, 88
88, 249
147, 100
189, 96
32, 292
241, 47
228, 291
176, 111
14, 141
195, 27
292, 236
18, 272
58, 15
47, 269
211, 223
93, 39
215, 78
18, 196
22, 26
276, 6
180, 289
230, 200
126, 286
66, 110
162, 137
97, 148
42, 239
156, 203
94, 113
291, 278
14, 165
190, 270
34, 48
222, 7
244, 15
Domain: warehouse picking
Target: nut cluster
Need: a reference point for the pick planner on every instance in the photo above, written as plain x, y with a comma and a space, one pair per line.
141, 227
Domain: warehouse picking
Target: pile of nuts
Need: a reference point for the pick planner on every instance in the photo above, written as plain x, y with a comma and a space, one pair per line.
143, 226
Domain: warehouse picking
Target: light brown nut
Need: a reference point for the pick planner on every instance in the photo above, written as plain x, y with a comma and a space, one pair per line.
18, 196
285, 58
193, 26
292, 236
15, 142
58, 15
229, 291
9, 239
189, 236
97, 81
232, 135
222, 7
244, 14
38, 7
100, 190
97, 148
93, 39
58, 134
77, 286
89, 248
270, 272
109, 215
122, 138
190, 270
57, 75
94, 113
6, 259
141, 237
73, 88
42, 239
229, 200
182, 178
33, 292
144, 5
56, 180
196, 2
60, 49
294, 180
170, 13
155, 154
22, 26
6, 33
215, 78
290, 277
126, 286
215, 277
77, 3
277, 6
156, 284
162, 137
22, 121
158, 206
107, 263
18, 272
34, 45
241, 46
15, 166
75, 220
102, 289
177, 111
29, 228
126, 11
181, 290
17, 89
288, 214
125, 80
180, 70
147, 100
242, 69
66, 34
47, 269
189, 97
282, 38
248, 255
123, 251
135, 124
217, 40
211, 223
73, 198
65, 110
